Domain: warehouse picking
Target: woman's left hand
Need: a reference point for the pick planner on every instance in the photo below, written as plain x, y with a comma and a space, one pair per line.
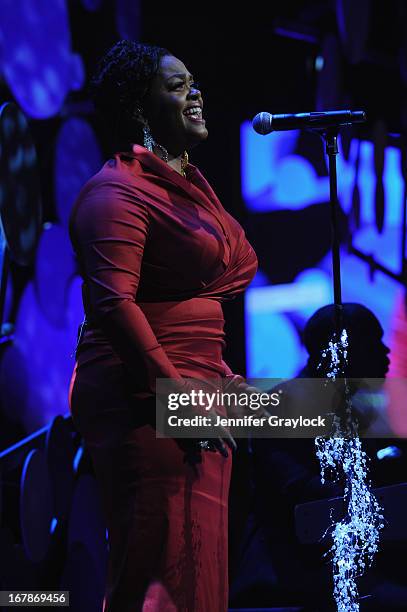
237, 384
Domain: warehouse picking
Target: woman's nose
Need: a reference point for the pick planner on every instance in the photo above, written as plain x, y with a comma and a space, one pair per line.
194, 92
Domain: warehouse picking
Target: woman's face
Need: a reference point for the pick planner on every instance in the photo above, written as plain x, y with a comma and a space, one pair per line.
174, 107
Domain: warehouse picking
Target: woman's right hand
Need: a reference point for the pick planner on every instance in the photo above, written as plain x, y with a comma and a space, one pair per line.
219, 436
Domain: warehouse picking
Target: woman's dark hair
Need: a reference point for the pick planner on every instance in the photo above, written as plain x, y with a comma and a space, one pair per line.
119, 86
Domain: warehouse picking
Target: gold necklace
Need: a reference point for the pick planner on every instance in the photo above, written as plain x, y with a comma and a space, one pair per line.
184, 164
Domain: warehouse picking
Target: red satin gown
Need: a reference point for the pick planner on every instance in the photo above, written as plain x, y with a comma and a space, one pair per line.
158, 254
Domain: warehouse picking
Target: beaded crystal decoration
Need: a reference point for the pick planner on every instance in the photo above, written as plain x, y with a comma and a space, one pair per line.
356, 536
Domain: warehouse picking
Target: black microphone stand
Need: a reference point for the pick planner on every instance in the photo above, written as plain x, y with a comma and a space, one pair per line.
330, 136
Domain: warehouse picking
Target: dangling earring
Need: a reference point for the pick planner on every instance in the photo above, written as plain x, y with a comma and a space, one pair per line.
148, 140
149, 143
184, 163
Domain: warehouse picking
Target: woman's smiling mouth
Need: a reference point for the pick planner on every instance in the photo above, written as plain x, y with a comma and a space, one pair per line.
194, 113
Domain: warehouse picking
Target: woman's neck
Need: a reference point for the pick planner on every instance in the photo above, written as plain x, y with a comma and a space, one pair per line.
175, 161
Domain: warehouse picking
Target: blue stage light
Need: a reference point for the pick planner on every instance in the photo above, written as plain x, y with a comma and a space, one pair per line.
128, 19
37, 60
77, 158
390, 452
276, 175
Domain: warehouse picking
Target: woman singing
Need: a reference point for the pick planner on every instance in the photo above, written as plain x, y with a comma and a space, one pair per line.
158, 254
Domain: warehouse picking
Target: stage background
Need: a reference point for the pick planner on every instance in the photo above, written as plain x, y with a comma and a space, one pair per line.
292, 57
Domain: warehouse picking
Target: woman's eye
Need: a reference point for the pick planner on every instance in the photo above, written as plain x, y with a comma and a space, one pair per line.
182, 84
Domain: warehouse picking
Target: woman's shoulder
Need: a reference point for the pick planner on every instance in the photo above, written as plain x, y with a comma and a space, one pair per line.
118, 170
117, 179
112, 190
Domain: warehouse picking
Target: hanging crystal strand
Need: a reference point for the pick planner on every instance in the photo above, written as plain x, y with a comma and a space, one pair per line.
356, 536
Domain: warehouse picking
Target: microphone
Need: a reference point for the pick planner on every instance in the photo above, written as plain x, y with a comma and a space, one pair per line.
264, 123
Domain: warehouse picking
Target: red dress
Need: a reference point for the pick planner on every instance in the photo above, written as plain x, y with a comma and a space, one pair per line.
158, 254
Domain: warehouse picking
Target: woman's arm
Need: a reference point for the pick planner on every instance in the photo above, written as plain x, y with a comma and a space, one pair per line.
109, 228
